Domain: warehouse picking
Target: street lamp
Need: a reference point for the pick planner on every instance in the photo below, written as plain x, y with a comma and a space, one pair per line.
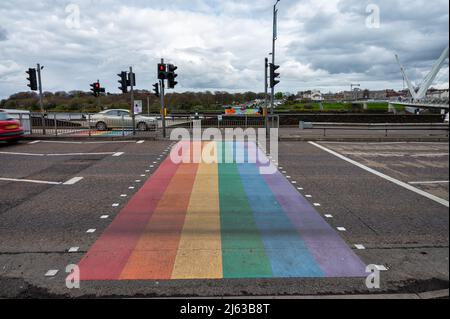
274, 39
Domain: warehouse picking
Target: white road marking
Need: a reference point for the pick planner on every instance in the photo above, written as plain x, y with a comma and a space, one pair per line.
140, 142
360, 247
28, 181
74, 249
300, 188
91, 231
317, 205
143, 175
342, 229
104, 217
118, 154
56, 155
294, 182
115, 205
131, 187
430, 182
147, 171
123, 195
73, 181
329, 216
51, 273
21, 154
381, 267
384, 176
308, 196
34, 142
138, 181
99, 142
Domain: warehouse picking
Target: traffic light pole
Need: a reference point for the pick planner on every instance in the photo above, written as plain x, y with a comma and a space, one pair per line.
274, 39
266, 93
41, 100
163, 107
133, 116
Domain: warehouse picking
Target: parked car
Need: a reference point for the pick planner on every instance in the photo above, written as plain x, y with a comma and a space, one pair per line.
10, 129
114, 119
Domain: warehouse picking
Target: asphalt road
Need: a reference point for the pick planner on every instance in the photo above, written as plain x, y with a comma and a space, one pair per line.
400, 229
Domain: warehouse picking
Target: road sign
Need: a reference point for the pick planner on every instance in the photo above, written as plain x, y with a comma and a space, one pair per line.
138, 107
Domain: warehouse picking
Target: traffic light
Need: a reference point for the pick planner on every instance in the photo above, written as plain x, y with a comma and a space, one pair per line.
156, 89
131, 79
171, 76
162, 71
273, 75
123, 82
32, 78
95, 89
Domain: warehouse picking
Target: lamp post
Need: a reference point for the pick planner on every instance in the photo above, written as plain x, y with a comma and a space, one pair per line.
274, 39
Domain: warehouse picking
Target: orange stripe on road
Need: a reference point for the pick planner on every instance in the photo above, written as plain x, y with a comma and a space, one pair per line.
155, 253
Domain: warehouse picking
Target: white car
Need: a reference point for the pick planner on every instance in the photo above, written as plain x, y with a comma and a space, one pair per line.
119, 119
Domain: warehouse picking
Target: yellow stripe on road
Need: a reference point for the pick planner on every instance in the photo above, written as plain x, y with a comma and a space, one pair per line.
199, 254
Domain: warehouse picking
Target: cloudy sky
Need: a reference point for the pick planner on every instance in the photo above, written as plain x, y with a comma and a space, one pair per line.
221, 44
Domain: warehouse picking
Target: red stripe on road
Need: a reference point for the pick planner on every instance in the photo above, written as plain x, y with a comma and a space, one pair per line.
109, 255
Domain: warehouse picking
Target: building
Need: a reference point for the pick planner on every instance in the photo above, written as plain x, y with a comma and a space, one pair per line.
312, 95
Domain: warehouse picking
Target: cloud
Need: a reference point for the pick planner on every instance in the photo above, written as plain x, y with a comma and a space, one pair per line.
219, 44
3, 34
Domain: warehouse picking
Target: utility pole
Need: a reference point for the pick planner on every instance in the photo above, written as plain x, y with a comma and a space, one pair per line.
148, 105
163, 108
274, 39
41, 102
266, 93
133, 116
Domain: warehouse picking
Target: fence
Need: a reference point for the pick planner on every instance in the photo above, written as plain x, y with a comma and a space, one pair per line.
95, 125
369, 127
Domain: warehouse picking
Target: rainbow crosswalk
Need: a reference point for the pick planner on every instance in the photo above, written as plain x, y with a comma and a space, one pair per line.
95, 133
215, 220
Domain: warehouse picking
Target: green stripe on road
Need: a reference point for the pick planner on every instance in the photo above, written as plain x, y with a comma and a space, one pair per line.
243, 250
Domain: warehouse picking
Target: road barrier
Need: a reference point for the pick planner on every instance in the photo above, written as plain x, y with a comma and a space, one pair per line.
387, 127
88, 125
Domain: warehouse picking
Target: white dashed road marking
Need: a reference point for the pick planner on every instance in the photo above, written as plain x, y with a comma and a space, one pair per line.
360, 247
73, 181
104, 217
342, 229
118, 154
91, 231
74, 249
51, 273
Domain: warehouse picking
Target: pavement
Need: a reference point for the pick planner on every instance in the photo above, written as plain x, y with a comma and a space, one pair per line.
140, 227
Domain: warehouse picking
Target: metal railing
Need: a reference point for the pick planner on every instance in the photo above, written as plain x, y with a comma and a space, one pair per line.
370, 127
84, 125
90, 125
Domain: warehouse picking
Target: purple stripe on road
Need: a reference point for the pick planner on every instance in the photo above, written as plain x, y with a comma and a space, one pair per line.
333, 255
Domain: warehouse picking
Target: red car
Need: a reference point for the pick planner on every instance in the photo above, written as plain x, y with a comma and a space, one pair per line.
10, 129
